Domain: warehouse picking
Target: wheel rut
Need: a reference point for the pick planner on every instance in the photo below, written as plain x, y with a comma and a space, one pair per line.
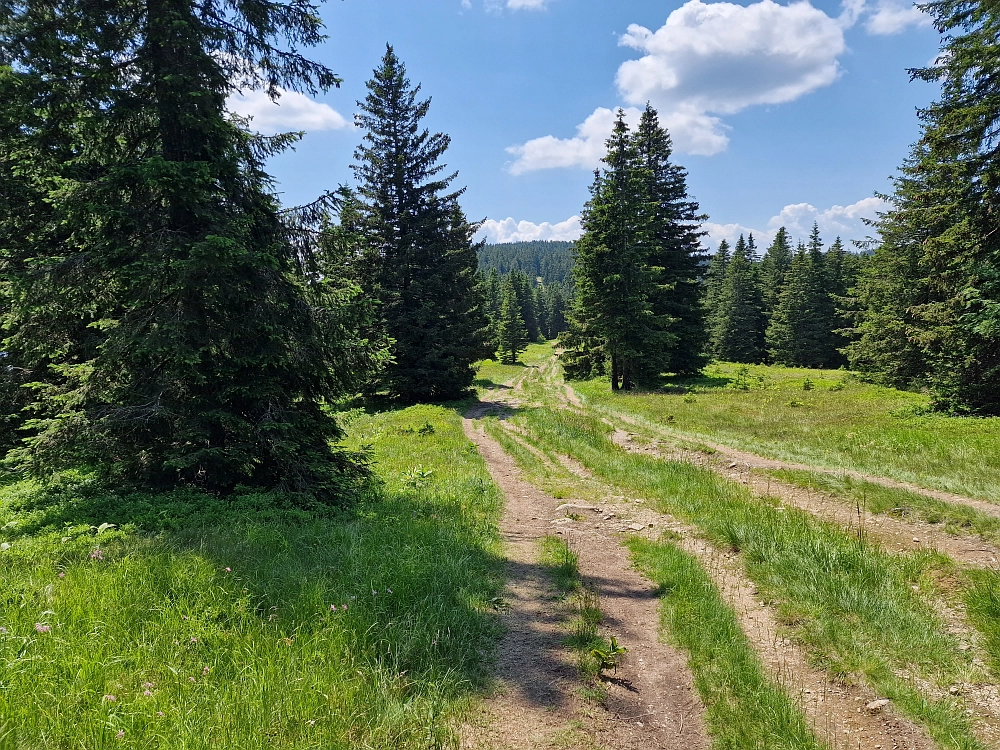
651, 701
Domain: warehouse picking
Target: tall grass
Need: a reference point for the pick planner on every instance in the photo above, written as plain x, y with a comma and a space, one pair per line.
202, 623
838, 423
880, 500
851, 602
744, 709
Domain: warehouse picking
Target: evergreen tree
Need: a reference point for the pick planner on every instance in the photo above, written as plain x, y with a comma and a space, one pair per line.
419, 244
930, 302
512, 334
715, 279
527, 301
671, 226
738, 332
158, 295
554, 302
613, 319
800, 332
777, 260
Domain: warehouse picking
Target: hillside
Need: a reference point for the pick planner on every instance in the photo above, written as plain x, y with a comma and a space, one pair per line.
552, 261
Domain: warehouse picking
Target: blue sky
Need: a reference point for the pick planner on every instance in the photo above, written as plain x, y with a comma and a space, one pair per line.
783, 113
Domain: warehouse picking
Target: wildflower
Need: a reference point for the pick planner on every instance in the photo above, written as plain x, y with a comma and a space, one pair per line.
229, 570
97, 554
192, 679
374, 592
120, 735
3, 631
389, 590
148, 685
333, 607
344, 607
205, 671
184, 617
147, 693
193, 639
42, 628
110, 698
160, 713
62, 574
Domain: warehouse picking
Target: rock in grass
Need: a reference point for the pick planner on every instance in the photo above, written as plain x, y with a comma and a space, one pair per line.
575, 506
875, 706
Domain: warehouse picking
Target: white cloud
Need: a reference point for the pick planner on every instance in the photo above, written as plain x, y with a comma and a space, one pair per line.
292, 111
526, 4
584, 150
721, 58
894, 16
510, 230
845, 222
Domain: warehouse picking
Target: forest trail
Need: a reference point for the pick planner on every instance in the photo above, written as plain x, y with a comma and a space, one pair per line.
651, 702
892, 533
749, 461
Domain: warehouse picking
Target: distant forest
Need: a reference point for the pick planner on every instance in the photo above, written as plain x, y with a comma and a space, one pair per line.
551, 260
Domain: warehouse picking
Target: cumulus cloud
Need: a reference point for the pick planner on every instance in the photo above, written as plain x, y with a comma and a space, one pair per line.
292, 111
583, 150
892, 16
846, 222
510, 230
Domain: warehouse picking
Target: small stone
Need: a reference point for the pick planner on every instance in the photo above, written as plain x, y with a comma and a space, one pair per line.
955, 690
636, 526
733, 465
574, 506
915, 539
650, 525
875, 706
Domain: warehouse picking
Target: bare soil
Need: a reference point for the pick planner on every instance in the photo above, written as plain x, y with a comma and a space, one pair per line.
651, 701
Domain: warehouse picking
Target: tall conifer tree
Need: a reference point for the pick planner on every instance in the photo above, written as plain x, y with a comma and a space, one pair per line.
420, 250
738, 332
777, 260
159, 294
512, 334
671, 225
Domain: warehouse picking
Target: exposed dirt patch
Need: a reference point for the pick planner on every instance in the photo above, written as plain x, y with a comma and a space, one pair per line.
652, 704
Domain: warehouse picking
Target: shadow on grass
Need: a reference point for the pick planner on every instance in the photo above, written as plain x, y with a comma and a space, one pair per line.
414, 571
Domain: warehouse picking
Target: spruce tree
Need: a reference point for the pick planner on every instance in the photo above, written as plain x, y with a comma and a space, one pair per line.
158, 293
777, 260
931, 298
422, 260
613, 317
526, 300
738, 332
715, 279
512, 334
671, 225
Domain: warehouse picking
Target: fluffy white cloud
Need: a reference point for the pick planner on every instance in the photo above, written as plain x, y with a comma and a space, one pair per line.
846, 222
584, 150
894, 16
510, 230
292, 111
526, 4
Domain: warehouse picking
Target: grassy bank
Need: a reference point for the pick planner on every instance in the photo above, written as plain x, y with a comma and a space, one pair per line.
824, 418
850, 602
199, 623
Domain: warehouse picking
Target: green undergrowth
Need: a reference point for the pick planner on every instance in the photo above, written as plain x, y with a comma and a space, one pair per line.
852, 603
183, 621
825, 418
880, 500
743, 708
561, 564
982, 601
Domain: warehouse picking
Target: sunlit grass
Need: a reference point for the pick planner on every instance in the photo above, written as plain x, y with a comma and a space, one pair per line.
851, 602
825, 418
743, 707
491, 374
880, 500
202, 623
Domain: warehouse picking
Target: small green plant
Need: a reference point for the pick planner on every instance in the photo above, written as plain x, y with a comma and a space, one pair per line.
690, 398
838, 386
742, 382
607, 658
417, 476
808, 385
795, 403
426, 429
